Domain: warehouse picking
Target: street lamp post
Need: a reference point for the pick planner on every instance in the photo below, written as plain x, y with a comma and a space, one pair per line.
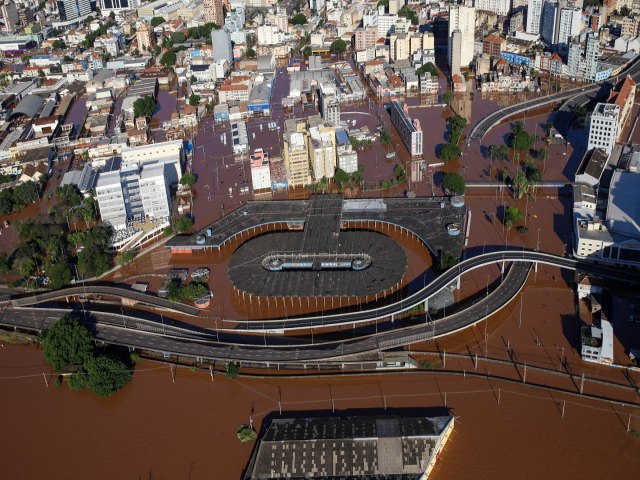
538, 241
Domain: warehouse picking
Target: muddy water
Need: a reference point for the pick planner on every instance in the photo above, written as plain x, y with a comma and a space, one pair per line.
163, 430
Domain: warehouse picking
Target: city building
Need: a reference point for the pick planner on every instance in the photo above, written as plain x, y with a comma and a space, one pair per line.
347, 158
221, 43
365, 37
623, 95
354, 447
462, 19
569, 26
296, 153
493, 45
9, 15
591, 56
145, 37
499, 7
534, 16
548, 24
592, 167
239, 138
603, 128
596, 338
260, 170
72, 9
107, 6
409, 130
329, 105
322, 152
213, 12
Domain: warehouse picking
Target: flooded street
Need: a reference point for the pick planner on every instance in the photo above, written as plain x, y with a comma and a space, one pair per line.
158, 429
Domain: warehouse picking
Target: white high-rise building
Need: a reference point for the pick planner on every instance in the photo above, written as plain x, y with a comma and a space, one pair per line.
141, 187
534, 16
500, 7
385, 24
117, 5
322, 152
591, 56
603, 128
316, 5
570, 25
463, 19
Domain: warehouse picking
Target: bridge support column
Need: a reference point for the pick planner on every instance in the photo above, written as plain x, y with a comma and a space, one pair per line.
392, 319
458, 283
535, 267
502, 268
426, 305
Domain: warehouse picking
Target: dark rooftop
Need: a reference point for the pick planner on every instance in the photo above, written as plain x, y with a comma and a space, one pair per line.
593, 163
365, 447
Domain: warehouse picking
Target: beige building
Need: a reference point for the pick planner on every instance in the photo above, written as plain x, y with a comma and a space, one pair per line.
146, 37
322, 152
366, 37
296, 153
213, 12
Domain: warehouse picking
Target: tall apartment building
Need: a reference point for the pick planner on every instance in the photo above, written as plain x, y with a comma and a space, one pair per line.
569, 25
316, 5
623, 95
385, 24
213, 12
296, 153
399, 46
146, 37
499, 7
322, 152
409, 130
329, 105
462, 19
221, 44
534, 16
455, 41
591, 56
630, 26
549, 26
72, 9
603, 128
347, 158
9, 15
365, 37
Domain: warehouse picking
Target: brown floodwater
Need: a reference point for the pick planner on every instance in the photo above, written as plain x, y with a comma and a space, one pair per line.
159, 429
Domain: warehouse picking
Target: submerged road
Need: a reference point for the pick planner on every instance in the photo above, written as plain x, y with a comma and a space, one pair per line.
202, 345
421, 297
582, 95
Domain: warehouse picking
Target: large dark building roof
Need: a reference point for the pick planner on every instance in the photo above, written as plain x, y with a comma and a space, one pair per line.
28, 106
366, 447
426, 217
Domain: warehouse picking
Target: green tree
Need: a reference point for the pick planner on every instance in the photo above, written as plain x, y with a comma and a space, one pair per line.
511, 216
144, 107
4, 264
520, 184
427, 68
624, 11
106, 375
385, 138
306, 51
194, 99
246, 434
168, 58
233, 370
183, 224
58, 44
340, 177
298, 19
178, 37
59, 274
406, 12
67, 342
126, 257
448, 151
543, 154
447, 260
399, 173
25, 266
454, 183
519, 139
250, 53
155, 21
338, 47
493, 152
188, 179
447, 97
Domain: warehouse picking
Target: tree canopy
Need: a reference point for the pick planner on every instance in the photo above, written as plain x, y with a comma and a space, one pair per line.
250, 53
168, 58
178, 37
155, 21
194, 99
520, 184
338, 47
67, 342
246, 434
298, 19
454, 183
106, 375
144, 107
183, 224
519, 139
188, 179
449, 151
427, 68
511, 216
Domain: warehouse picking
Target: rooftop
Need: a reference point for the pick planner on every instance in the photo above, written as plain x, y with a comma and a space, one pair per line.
623, 209
365, 447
